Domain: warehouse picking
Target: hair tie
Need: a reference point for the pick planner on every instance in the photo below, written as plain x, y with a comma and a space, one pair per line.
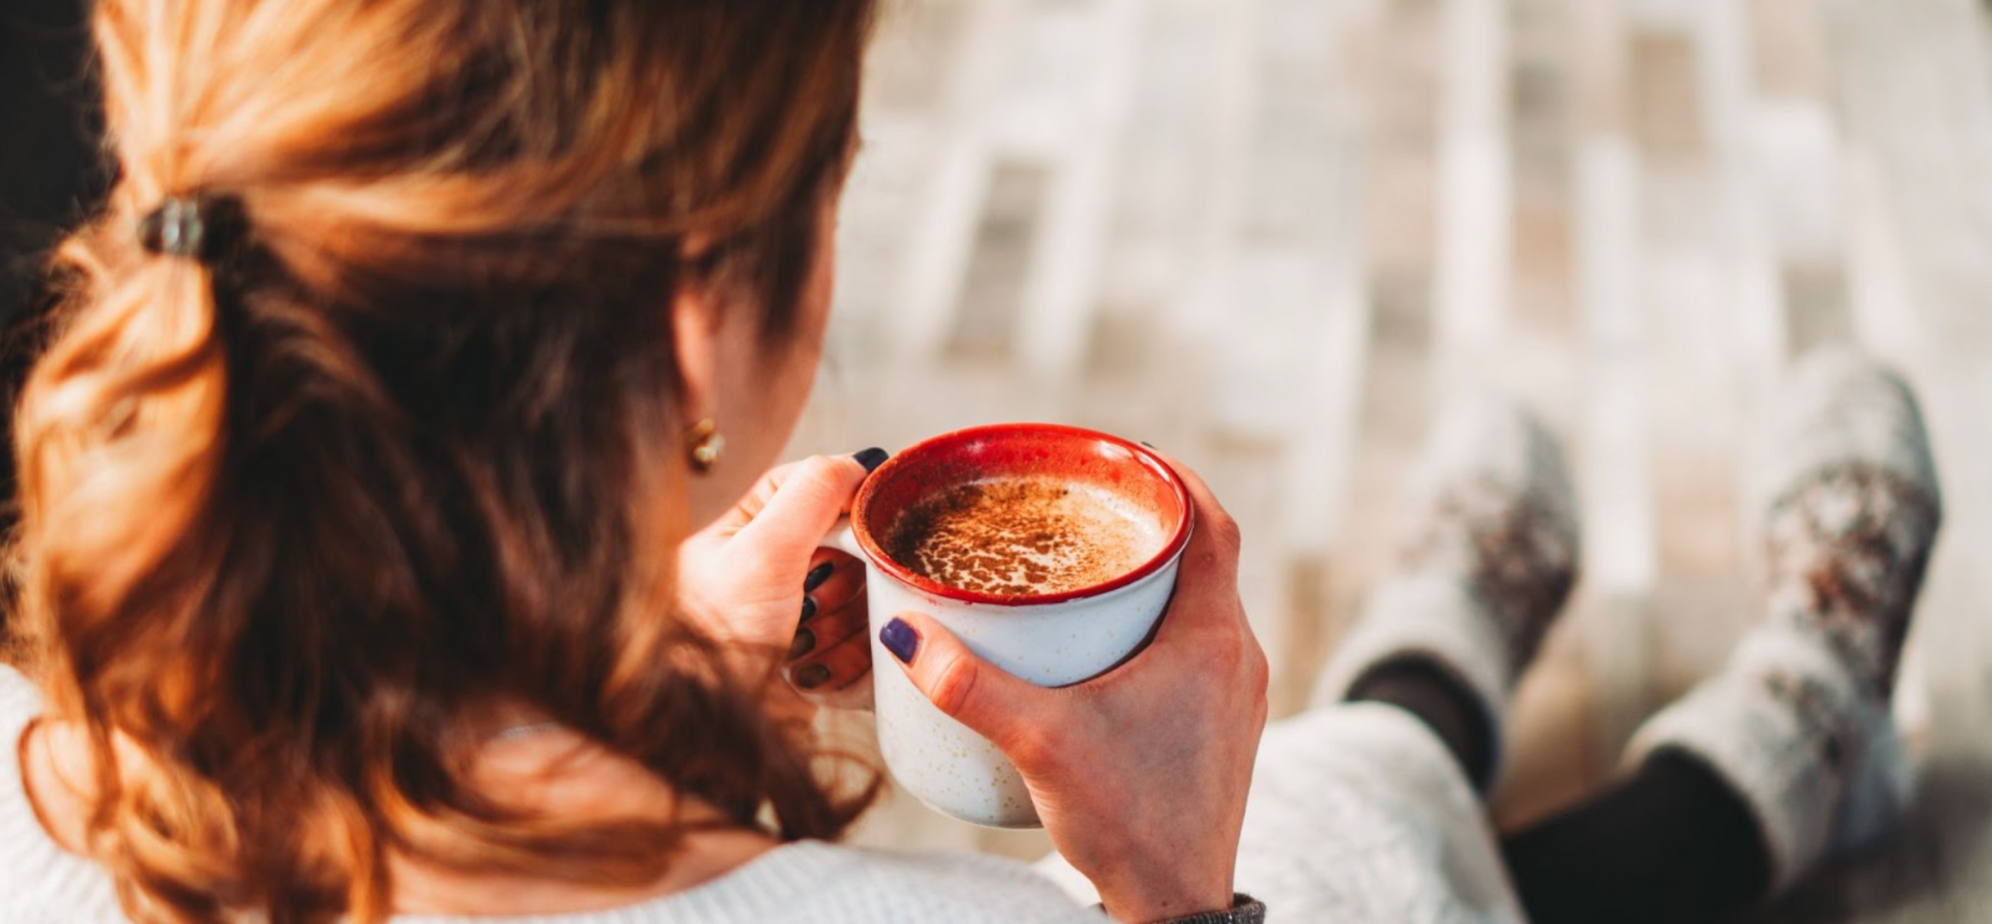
199, 227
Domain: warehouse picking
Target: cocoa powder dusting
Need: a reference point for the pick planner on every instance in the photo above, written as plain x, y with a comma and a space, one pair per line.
1019, 538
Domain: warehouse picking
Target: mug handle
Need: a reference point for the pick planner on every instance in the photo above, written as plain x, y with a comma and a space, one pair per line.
842, 538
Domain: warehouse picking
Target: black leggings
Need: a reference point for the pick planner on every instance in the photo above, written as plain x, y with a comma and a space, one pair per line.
1669, 843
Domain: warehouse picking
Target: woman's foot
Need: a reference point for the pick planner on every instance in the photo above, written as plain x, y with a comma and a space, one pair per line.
1851, 509
1797, 722
1487, 558
1491, 506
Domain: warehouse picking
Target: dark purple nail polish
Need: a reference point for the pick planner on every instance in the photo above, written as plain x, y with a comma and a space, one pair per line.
808, 609
871, 458
805, 640
817, 576
900, 639
812, 676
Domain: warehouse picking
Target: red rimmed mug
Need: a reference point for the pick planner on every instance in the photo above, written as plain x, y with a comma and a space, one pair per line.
1051, 639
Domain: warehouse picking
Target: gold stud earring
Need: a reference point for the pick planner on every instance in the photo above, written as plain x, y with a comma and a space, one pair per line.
703, 445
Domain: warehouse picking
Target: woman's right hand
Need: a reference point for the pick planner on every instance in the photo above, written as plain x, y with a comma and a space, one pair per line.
1140, 774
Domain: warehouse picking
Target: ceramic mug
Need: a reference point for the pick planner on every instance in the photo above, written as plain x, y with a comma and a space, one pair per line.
1050, 639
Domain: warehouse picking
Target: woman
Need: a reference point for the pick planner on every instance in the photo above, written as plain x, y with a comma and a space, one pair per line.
356, 475
382, 557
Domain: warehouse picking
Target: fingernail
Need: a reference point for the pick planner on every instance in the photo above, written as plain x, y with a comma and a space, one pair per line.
871, 458
808, 609
817, 576
812, 676
900, 639
804, 641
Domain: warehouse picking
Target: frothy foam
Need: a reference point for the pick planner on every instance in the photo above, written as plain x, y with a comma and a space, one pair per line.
1024, 537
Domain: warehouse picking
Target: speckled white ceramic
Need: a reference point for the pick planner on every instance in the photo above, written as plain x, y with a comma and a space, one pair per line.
938, 759
1050, 641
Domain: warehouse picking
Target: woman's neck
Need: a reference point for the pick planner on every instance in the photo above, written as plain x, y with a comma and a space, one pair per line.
545, 769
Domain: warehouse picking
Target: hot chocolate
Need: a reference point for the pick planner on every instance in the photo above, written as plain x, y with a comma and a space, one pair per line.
1022, 537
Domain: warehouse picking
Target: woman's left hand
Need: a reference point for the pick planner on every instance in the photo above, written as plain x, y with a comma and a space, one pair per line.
757, 578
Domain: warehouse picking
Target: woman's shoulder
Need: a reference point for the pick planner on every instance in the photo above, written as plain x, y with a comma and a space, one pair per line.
808, 882
828, 883
20, 699
42, 882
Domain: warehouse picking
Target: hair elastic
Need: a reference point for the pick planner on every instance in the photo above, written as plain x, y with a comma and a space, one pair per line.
199, 227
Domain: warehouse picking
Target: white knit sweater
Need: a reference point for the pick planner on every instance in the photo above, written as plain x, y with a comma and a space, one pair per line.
806, 883
1357, 816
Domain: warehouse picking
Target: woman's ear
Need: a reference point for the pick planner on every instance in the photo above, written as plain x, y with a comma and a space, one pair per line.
695, 331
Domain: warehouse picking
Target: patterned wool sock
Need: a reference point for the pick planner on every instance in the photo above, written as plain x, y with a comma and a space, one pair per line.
1797, 722
1487, 559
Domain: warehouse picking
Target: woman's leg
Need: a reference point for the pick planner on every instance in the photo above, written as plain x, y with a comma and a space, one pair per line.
1488, 556
1788, 754
1491, 554
1422, 688
1669, 843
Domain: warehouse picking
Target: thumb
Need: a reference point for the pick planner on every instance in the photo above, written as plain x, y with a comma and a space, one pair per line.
989, 700
800, 503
